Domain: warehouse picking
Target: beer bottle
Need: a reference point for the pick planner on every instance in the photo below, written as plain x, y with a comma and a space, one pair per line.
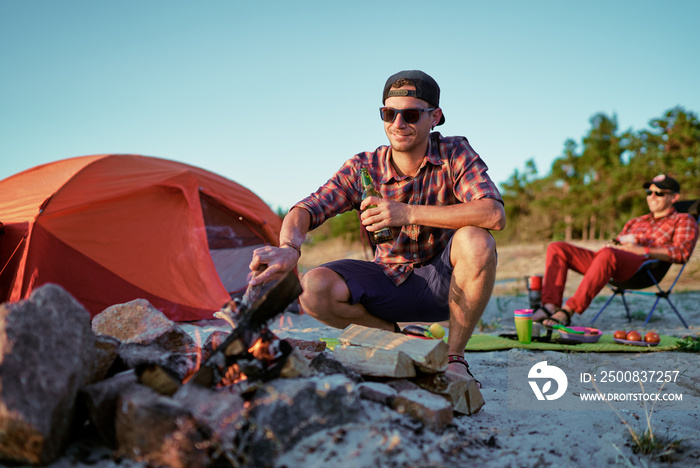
368, 190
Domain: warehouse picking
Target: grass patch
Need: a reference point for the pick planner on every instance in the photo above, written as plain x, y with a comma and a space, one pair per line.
659, 448
485, 327
689, 344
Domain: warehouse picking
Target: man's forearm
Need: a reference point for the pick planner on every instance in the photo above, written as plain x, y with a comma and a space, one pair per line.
295, 226
658, 253
485, 213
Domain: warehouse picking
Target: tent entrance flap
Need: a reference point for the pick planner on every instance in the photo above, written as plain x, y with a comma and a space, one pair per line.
232, 241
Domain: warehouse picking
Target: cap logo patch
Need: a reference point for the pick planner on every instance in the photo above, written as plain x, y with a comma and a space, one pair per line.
659, 178
401, 92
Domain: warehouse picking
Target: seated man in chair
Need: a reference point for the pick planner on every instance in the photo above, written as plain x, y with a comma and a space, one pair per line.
663, 234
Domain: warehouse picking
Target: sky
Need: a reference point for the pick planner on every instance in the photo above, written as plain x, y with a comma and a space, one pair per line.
277, 95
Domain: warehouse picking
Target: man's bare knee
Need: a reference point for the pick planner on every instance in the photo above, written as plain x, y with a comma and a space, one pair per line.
474, 244
321, 287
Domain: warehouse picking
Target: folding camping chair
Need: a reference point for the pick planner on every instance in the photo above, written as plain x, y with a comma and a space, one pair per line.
650, 274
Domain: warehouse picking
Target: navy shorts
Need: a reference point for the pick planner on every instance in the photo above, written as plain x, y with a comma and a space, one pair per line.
421, 298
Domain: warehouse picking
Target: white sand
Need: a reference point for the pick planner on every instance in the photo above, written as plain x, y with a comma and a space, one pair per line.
514, 428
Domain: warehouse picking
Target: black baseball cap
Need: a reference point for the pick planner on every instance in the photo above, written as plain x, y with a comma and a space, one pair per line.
427, 88
664, 182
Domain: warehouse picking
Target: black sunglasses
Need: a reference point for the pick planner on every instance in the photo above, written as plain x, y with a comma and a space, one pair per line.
409, 116
658, 194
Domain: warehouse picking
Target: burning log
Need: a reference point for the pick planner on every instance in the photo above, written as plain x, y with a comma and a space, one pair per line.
249, 330
250, 352
231, 311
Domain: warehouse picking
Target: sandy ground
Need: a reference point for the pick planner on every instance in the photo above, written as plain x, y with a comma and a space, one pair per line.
515, 429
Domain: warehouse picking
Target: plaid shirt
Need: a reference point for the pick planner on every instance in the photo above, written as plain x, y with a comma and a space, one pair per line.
451, 173
678, 232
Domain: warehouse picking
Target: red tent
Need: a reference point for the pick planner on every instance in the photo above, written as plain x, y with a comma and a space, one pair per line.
113, 228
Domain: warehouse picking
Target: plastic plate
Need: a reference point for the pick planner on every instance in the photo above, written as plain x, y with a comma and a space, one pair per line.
587, 337
634, 343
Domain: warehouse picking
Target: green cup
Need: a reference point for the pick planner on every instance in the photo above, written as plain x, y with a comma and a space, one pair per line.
523, 326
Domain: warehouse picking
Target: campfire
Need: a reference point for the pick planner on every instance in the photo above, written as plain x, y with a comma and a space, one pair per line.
261, 361
244, 397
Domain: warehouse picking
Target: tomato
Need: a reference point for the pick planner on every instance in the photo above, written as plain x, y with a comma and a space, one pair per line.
634, 336
652, 337
620, 335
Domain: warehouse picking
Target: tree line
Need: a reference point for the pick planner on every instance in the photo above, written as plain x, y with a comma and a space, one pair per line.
594, 187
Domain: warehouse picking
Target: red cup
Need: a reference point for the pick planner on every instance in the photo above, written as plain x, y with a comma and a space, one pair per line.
535, 283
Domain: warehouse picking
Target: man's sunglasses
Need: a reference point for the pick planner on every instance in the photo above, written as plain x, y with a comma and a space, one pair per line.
409, 116
658, 194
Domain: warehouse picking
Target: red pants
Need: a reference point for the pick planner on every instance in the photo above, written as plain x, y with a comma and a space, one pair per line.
597, 269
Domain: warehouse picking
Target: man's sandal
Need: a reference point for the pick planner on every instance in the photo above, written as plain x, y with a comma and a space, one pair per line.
547, 314
564, 323
460, 359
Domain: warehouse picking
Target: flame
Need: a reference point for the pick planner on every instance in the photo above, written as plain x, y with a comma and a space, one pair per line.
261, 350
198, 362
233, 375
198, 341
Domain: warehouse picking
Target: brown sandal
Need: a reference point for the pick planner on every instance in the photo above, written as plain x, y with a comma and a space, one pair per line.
547, 314
564, 323
460, 359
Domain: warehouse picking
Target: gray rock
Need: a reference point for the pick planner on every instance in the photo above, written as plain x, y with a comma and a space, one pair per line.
105, 354
158, 430
139, 322
326, 364
286, 410
131, 355
100, 400
46, 354
378, 392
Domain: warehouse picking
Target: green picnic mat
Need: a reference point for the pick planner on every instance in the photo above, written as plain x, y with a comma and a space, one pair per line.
604, 345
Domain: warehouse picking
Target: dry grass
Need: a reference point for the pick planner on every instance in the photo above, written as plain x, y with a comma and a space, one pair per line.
315, 254
515, 262
663, 448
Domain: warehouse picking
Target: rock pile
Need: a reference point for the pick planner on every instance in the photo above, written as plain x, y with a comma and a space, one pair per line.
63, 376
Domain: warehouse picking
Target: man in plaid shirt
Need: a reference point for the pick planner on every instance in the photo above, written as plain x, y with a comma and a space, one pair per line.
439, 203
663, 234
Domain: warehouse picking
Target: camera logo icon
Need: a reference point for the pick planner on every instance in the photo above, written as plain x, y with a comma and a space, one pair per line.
542, 371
